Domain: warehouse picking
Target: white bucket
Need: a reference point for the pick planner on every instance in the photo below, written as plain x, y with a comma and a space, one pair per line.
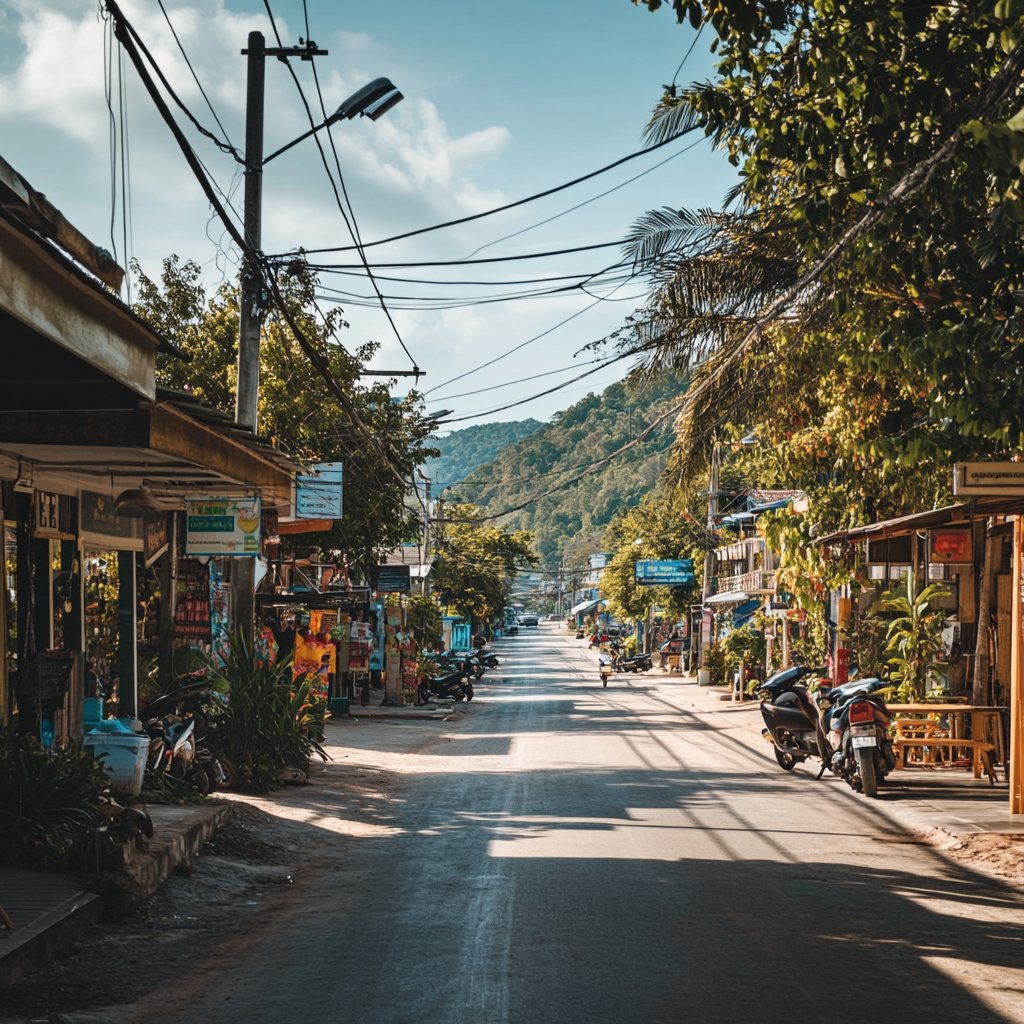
703, 677
125, 760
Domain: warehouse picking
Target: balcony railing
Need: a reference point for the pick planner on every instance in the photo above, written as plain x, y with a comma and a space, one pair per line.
758, 582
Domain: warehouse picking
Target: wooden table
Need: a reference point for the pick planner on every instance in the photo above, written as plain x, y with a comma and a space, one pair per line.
986, 730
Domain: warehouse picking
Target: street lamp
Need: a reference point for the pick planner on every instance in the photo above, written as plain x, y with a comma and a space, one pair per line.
372, 100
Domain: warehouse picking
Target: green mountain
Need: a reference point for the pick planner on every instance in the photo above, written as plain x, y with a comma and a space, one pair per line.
573, 517
462, 451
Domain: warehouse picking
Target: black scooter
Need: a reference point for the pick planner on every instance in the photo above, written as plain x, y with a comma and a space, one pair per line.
846, 726
635, 663
452, 685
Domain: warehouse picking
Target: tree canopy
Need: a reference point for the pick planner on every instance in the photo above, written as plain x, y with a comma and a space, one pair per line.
857, 301
298, 411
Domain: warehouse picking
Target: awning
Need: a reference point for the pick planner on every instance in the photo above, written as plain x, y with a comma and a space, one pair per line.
980, 508
585, 606
735, 597
742, 613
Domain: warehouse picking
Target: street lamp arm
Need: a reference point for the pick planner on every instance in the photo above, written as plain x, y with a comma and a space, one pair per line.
376, 92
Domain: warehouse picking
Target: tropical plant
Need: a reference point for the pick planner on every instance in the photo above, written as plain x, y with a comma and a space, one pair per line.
269, 723
915, 635
476, 562
49, 804
743, 644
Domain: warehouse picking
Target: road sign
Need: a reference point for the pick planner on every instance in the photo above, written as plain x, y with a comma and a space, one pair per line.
665, 573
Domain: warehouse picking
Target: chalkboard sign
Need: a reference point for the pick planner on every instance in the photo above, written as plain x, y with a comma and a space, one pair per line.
49, 676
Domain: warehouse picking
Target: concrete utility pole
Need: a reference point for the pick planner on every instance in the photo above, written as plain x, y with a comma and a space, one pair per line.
373, 100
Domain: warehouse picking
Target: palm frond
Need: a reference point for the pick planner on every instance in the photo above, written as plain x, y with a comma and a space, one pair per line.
673, 117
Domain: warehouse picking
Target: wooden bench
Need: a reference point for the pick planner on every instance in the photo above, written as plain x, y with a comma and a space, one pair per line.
981, 751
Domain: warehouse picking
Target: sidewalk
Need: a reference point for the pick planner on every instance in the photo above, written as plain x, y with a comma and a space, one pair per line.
948, 800
49, 911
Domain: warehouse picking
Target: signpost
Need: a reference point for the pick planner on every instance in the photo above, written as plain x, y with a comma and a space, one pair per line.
999, 479
671, 573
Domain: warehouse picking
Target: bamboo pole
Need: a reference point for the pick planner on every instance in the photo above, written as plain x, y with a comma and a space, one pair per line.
1016, 779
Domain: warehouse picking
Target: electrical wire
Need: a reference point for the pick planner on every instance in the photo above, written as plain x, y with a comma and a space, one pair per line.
511, 206
349, 218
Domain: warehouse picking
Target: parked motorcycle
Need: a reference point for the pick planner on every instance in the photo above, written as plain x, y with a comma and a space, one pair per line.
638, 662
858, 733
846, 726
605, 667
178, 728
451, 684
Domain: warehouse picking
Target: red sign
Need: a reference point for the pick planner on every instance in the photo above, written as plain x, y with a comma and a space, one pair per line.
951, 546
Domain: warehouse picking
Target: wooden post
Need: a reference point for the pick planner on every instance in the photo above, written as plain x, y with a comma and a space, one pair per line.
982, 657
1017, 673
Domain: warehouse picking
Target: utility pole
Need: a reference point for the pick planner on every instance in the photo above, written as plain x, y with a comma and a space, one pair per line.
709, 557
251, 297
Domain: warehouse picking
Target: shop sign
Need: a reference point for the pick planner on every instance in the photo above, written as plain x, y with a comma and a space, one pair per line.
999, 479
154, 538
951, 546
677, 573
223, 528
392, 579
98, 515
319, 496
53, 515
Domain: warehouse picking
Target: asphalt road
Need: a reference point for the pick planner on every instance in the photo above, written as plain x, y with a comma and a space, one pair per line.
570, 854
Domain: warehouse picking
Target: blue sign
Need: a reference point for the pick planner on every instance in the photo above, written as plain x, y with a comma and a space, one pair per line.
675, 573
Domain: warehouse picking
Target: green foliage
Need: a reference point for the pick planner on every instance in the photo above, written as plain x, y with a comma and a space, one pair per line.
905, 353
477, 562
424, 618
743, 644
463, 451
716, 665
915, 635
570, 519
49, 804
297, 409
269, 721
661, 526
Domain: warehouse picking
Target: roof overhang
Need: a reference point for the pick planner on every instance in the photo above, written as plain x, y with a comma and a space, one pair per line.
160, 447
949, 515
734, 597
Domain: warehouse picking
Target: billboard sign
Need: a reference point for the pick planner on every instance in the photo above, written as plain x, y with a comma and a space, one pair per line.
221, 527
673, 573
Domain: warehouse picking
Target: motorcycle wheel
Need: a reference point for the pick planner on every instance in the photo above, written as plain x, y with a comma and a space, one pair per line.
866, 769
202, 782
604, 680
422, 694
229, 770
787, 762
469, 691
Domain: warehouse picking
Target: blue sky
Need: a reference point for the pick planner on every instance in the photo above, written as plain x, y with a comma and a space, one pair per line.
502, 101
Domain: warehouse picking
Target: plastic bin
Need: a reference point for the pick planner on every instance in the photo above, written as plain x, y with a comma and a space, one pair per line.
125, 760
338, 705
92, 710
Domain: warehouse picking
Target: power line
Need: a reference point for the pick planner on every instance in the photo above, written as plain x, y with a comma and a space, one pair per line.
510, 206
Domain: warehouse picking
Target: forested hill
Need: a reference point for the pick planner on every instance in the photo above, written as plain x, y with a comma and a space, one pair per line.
565, 447
463, 450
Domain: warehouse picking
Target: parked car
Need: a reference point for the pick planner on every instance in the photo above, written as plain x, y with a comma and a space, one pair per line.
528, 619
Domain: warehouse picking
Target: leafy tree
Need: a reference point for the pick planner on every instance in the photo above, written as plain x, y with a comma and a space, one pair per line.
661, 526
379, 441
876, 223
477, 562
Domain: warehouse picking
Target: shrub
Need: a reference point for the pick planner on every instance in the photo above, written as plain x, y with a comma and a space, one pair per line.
49, 804
269, 722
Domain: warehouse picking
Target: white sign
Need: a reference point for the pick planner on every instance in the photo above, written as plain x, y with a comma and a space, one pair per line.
221, 527
1000, 479
319, 496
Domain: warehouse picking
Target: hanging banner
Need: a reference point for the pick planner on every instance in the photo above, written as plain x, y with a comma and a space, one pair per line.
319, 495
229, 528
